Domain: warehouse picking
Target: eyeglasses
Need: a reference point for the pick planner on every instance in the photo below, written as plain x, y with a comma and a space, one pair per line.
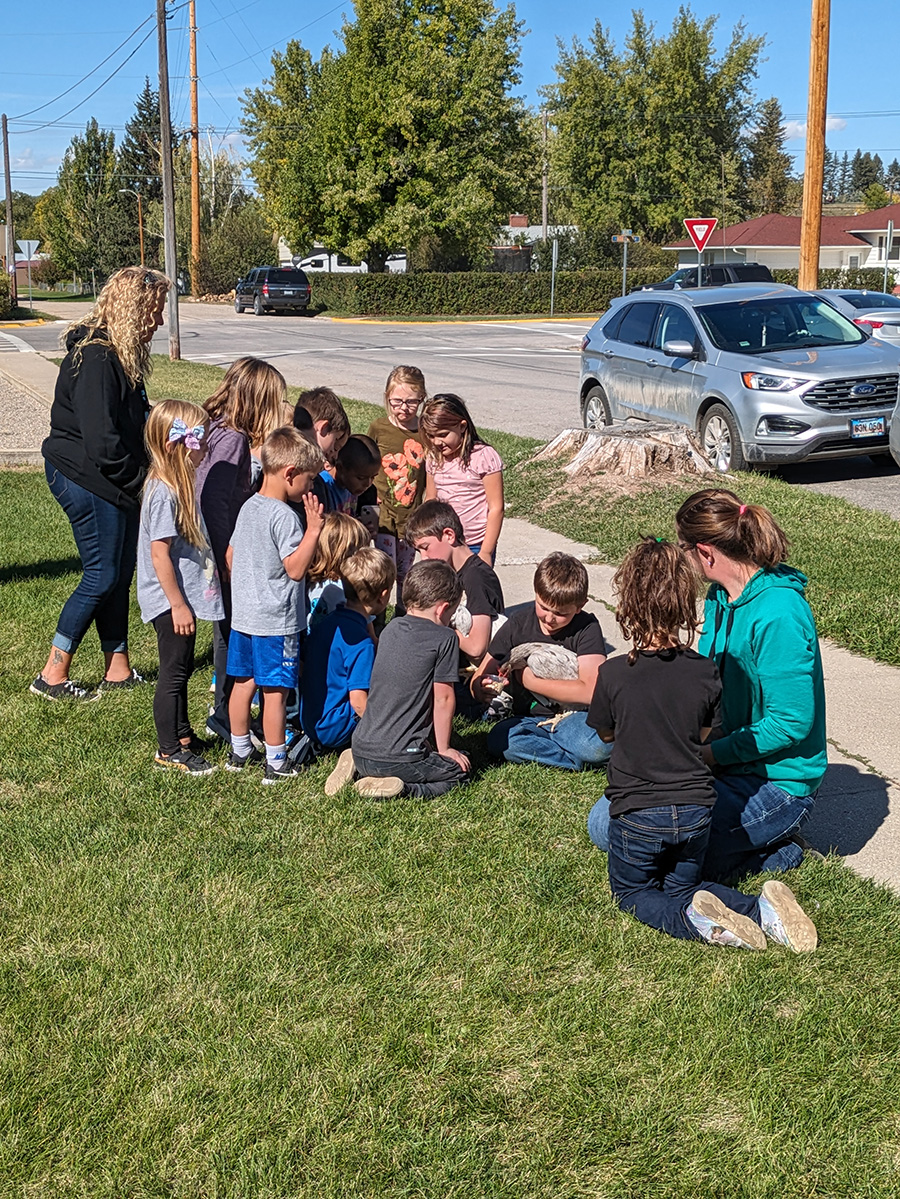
399, 402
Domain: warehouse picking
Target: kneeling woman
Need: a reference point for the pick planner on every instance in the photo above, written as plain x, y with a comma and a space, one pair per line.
770, 755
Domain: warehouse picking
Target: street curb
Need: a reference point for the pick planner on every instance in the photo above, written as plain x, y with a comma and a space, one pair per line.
21, 458
21, 385
462, 320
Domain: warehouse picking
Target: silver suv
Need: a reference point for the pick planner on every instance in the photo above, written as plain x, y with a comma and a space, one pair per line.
764, 373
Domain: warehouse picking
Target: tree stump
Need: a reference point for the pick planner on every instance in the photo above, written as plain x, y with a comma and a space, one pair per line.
638, 452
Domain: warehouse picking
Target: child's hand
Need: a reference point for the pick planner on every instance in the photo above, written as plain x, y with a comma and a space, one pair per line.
315, 514
183, 620
460, 759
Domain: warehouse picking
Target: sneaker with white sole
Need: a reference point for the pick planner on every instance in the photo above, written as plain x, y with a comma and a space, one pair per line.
66, 690
133, 680
235, 763
717, 924
185, 761
343, 773
784, 920
284, 770
380, 788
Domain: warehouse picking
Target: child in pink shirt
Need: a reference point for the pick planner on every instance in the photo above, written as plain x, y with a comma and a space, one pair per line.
464, 472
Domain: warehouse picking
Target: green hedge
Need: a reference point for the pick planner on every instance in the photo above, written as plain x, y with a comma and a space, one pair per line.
472, 293
870, 279
5, 302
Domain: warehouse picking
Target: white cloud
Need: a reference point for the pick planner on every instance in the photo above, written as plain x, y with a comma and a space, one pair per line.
796, 130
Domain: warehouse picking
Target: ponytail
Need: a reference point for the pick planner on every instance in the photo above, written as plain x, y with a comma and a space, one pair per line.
744, 532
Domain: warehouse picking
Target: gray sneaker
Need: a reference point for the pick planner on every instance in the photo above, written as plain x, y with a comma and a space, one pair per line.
185, 761
717, 924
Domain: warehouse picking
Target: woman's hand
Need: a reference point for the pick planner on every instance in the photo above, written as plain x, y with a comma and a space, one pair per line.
183, 620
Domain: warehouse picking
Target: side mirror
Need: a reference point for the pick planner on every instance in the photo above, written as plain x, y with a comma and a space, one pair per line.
679, 349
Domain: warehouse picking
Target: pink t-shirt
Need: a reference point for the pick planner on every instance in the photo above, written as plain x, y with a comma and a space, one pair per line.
462, 487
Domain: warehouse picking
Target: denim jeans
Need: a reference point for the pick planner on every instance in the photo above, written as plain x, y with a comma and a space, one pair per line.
751, 825
425, 775
106, 537
570, 746
656, 866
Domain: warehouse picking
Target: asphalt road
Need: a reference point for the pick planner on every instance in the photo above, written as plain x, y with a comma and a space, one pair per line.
520, 376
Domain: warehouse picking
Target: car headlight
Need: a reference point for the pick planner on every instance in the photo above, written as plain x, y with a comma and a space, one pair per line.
756, 381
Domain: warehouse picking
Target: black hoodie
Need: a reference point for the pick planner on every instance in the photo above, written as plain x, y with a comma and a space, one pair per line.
97, 425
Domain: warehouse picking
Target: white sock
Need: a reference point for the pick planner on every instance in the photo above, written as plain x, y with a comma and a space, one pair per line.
275, 754
241, 744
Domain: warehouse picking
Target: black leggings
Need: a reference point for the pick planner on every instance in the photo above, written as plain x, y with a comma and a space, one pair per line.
170, 703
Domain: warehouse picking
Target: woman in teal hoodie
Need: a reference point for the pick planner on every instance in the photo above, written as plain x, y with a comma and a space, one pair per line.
769, 756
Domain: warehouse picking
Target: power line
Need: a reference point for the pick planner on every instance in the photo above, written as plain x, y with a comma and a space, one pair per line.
281, 41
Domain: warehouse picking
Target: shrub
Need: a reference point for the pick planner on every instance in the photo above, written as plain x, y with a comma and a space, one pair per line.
472, 293
870, 278
5, 298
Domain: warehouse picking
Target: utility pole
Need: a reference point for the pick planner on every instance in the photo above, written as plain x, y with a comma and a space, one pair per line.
168, 187
814, 166
10, 232
195, 160
545, 181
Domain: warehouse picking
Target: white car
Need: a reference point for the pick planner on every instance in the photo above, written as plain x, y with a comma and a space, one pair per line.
877, 312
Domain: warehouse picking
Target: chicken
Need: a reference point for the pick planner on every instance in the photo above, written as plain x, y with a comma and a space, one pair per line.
547, 661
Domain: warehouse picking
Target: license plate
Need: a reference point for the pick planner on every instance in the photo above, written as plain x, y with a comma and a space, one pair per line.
873, 427
290, 293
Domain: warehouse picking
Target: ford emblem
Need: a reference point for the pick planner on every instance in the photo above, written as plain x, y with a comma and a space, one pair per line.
863, 389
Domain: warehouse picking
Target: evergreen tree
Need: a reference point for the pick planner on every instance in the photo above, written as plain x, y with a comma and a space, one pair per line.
892, 175
830, 182
139, 154
770, 166
644, 134
405, 136
844, 177
865, 172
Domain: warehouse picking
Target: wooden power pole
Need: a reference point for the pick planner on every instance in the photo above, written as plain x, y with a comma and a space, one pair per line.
814, 167
168, 185
10, 231
195, 160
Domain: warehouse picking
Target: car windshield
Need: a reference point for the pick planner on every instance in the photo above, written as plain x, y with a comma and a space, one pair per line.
681, 273
870, 299
763, 326
290, 278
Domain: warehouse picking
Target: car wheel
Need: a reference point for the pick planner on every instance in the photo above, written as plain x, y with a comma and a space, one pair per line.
720, 440
257, 306
595, 408
238, 306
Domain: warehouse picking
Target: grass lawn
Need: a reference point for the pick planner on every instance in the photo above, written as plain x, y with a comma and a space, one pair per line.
214, 989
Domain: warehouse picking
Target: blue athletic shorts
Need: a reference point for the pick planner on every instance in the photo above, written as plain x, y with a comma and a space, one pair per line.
269, 661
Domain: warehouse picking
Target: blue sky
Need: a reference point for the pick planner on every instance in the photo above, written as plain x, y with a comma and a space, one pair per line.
56, 47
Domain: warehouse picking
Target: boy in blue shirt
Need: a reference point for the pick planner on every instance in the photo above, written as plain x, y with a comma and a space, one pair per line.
340, 652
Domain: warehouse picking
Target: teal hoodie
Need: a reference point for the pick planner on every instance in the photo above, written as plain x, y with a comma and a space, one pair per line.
773, 691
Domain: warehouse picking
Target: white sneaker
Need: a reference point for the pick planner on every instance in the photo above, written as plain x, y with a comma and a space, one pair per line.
343, 773
717, 924
378, 788
784, 920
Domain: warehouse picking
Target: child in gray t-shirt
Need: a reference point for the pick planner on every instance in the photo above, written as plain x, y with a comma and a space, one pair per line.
402, 742
268, 558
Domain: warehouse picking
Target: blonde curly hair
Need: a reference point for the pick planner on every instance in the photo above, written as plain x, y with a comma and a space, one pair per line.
121, 319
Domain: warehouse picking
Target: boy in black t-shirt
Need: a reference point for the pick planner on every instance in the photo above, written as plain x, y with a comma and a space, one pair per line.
658, 704
402, 742
549, 724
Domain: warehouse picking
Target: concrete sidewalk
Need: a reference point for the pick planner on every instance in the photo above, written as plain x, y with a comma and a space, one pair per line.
858, 810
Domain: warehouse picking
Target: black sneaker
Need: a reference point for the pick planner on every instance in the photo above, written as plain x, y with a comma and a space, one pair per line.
66, 690
236, 764
301, 751
133, 680
199, 746
217, 728
184, 761
284, 770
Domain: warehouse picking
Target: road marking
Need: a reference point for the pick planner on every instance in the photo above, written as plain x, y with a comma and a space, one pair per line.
10, 343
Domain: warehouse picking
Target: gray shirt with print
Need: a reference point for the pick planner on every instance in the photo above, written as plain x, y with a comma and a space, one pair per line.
265, 600
195, 568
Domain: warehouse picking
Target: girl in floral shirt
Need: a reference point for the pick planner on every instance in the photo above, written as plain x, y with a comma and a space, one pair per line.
401, 480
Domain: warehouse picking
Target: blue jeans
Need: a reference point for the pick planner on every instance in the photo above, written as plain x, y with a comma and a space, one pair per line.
570, 746
106, 537
656, 866
752, 821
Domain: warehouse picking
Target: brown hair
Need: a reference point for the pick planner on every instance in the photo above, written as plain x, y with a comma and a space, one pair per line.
360, 453
288, 447
249, 399
430, 583
560, 581
121, 318
170, 463
323, 404
744, 532
367, 574
447, 411
410, 375
430, 520
341, 536
657, 596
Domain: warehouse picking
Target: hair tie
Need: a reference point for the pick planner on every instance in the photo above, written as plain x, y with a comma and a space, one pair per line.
742, 509
660, 539
190, 437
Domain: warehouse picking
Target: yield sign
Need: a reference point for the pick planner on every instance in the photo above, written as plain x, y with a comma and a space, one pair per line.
700, 230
